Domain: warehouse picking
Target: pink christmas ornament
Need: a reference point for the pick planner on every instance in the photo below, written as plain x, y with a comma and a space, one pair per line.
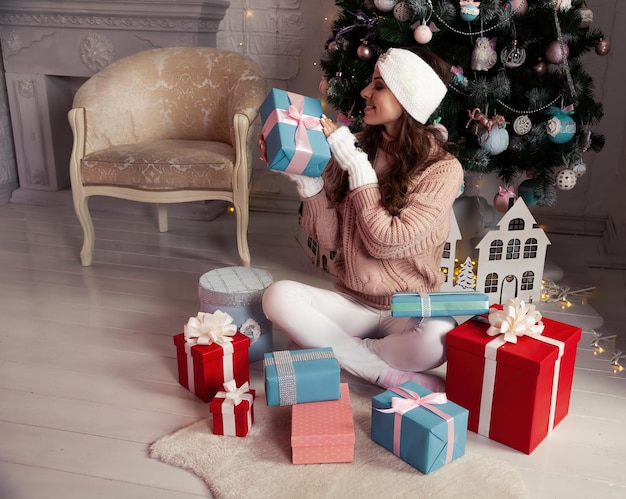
364, 52
517, 6
323, 86
504, 199
423, 34
554, 54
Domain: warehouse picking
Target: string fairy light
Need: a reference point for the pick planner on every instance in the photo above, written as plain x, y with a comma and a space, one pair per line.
597, 339
615, 360
552, 292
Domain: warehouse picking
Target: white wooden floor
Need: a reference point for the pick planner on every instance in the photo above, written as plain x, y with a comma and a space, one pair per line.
88, 370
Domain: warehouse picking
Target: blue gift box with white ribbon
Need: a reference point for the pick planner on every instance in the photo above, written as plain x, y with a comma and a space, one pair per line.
439, 304
292, 138
298, 376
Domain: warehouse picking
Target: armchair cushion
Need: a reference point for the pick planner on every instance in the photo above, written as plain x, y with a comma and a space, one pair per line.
162, 165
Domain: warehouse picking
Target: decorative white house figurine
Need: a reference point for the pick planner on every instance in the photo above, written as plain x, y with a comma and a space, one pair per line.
511, 258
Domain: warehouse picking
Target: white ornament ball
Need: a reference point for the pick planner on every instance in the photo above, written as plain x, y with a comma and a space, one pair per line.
579, 169
385, 5
566, 179
423, 34
586, 16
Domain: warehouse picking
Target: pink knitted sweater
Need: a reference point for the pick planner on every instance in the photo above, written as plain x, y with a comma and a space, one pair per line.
380, 254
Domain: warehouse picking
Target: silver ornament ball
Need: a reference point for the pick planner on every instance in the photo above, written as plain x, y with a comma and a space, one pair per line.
403, 12
522, 125
385, 5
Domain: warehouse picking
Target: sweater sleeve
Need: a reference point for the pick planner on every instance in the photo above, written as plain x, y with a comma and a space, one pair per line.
423, 221
320, 220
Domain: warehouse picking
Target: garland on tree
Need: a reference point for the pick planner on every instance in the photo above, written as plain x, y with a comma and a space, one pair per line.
520, 102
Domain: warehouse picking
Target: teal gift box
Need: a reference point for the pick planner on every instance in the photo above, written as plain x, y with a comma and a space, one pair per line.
295, 377
439, 304
422, 428
291, 138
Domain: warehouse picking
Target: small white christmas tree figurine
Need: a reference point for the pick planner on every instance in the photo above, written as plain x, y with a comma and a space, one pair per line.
465, 279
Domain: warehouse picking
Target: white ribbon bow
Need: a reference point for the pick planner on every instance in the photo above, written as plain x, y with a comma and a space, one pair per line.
206, 329
515, 319
232, 393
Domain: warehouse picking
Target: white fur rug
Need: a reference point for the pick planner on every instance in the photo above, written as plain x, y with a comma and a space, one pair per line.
262, 461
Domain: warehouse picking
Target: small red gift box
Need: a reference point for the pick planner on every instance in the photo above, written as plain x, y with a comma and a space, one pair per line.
323, 432
233, 410
203, 369
516, 393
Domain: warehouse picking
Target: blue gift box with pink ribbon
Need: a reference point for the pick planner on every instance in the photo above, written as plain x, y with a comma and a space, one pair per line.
291, 138
422, 428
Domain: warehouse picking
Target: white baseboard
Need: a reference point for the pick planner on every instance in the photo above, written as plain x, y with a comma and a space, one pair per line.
6, 190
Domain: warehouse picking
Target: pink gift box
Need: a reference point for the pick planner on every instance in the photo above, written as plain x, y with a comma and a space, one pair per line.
323, 432
232, 419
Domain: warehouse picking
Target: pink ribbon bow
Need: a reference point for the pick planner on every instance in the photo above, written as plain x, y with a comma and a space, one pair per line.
410, 400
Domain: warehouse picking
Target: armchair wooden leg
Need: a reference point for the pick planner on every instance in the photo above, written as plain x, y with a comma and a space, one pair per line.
84, 217
162, 217
242, 234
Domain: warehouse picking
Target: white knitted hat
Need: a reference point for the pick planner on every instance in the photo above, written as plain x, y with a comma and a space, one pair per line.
414, 83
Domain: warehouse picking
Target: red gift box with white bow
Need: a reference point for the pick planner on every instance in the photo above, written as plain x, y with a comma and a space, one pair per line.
211, 352
513, 371
233, 410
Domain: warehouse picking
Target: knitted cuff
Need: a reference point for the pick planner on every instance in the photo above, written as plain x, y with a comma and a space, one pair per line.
343, 146
362, 176
308, 186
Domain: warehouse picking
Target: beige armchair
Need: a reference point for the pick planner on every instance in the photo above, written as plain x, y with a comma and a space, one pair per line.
166, 126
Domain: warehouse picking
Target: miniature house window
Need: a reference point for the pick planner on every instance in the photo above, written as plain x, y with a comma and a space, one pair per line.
446, 250
491, 283
312, 243
528, 280
530, 248
517, 224
444, 271
512, 249
495, 251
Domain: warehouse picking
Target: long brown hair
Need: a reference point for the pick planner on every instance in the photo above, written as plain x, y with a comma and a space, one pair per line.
416, 147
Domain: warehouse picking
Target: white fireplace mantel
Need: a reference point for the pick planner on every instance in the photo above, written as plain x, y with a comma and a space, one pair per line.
50, 46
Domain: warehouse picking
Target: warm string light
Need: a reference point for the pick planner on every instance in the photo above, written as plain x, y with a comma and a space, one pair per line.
552, 292
596, 341
615, 361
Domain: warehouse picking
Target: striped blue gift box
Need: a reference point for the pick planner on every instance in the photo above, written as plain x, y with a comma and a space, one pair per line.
439, 304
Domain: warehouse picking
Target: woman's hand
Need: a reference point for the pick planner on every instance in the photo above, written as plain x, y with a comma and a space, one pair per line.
328, 127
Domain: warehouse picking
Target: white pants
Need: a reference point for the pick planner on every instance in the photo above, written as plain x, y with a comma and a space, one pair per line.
317, 318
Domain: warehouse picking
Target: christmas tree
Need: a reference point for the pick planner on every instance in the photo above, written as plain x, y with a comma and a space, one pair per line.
520, 103
465, 279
